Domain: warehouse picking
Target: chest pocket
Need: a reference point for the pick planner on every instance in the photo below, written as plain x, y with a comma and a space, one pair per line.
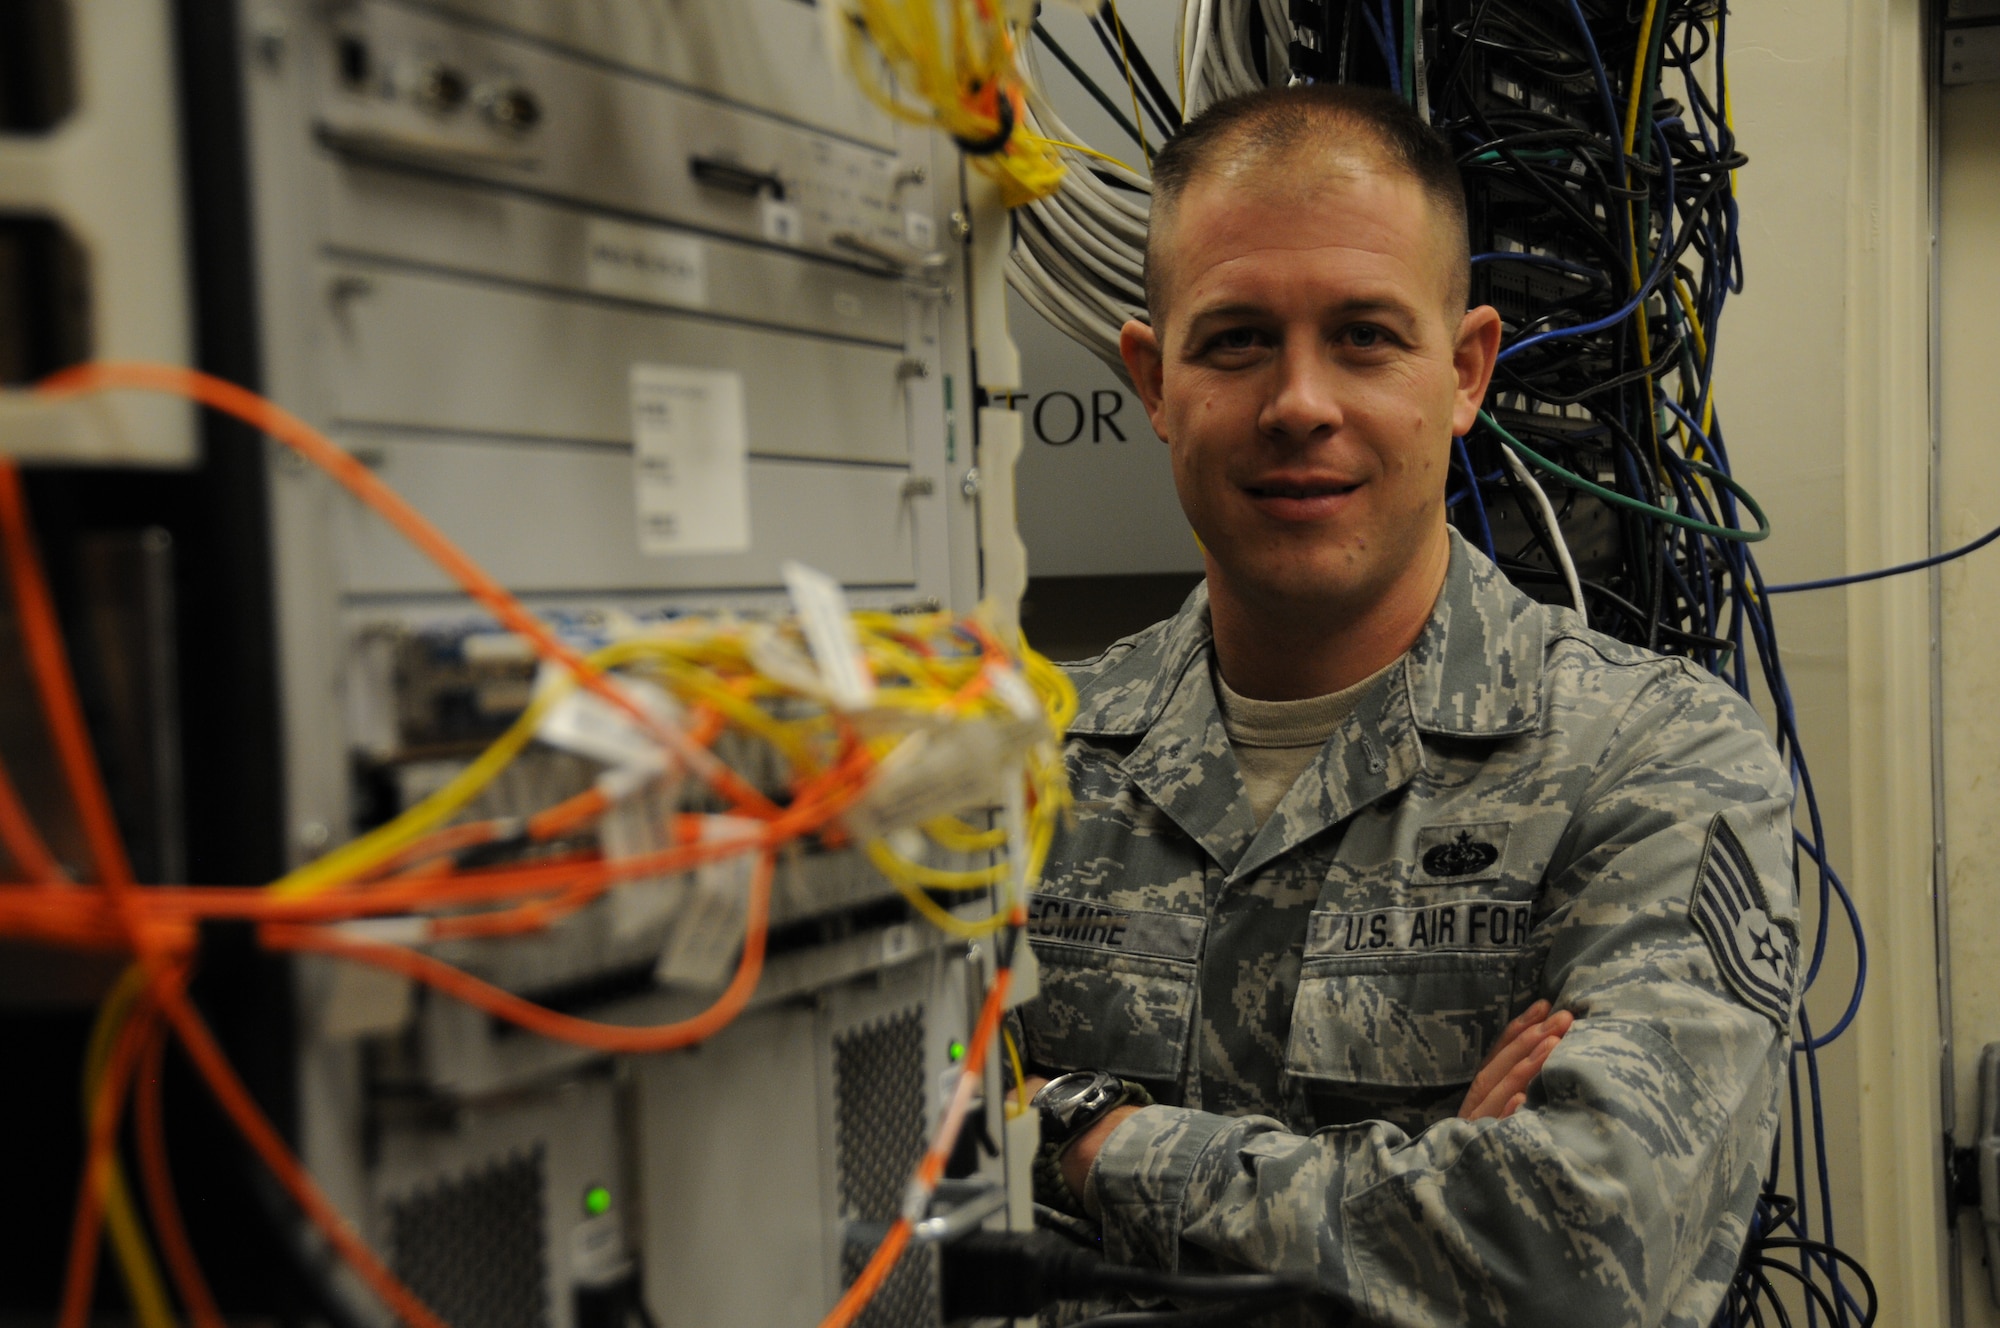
1117, 988
1408, 998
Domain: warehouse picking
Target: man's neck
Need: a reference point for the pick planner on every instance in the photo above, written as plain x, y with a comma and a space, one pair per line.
1288, 652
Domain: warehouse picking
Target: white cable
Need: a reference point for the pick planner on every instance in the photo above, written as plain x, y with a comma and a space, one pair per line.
1549, 523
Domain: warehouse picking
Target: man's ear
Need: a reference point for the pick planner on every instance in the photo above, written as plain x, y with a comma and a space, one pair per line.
1139, 347
1473, 356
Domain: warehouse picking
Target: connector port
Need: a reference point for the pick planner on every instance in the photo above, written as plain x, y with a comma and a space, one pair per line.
44, 299
37, 66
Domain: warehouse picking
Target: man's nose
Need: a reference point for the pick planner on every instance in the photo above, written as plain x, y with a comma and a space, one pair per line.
1305, 400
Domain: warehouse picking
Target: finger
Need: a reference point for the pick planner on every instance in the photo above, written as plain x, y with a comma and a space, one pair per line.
1498, 1065
1534, 1014
1514, 1104
1520, 1038
1493, 1102
1523, 1074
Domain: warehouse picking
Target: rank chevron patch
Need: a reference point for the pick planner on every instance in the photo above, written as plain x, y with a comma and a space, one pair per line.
1755, 951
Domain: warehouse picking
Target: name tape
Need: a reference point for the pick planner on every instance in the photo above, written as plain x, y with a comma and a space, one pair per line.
1055, 920
1464, 925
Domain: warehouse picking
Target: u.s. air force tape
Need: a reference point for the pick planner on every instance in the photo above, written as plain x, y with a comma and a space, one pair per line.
1055, 920
1467, 924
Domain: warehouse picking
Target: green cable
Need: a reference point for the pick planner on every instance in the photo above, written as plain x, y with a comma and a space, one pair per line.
1630, 503
1530, 154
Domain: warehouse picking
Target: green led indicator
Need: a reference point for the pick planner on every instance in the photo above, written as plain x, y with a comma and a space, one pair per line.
956, 1051
597, 1201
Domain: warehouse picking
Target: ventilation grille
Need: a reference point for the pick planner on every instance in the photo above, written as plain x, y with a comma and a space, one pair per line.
473, 1248
878, 1112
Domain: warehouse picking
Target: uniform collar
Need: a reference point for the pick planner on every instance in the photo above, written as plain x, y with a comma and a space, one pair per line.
1474, 672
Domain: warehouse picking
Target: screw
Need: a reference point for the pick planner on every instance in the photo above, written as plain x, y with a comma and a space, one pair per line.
960, 226
269, 41
313, 836
969, 486
348, 286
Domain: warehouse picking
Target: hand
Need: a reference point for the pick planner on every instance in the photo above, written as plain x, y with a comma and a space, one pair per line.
1082, 1150
1501, 1085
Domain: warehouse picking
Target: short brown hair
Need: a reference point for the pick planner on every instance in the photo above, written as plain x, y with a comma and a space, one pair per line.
1284, 120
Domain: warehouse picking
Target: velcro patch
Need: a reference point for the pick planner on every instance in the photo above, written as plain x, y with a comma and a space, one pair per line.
1756, 953
1466, 925
1056, 920
1460, 854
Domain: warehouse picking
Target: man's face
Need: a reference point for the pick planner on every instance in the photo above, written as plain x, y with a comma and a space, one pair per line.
1308, 380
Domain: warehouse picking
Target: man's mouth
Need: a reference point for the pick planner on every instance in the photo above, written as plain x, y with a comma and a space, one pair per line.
1292, 499
1326, 489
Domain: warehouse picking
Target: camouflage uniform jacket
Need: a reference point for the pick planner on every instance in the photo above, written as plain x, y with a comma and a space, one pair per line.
1523, 808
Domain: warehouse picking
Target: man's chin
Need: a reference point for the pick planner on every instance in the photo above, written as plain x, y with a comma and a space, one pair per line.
1304, 592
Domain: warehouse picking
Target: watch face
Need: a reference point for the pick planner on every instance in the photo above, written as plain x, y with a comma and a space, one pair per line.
1062, 1095
1065, 1101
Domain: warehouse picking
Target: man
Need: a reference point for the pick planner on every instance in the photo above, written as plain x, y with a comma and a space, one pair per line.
1361, 801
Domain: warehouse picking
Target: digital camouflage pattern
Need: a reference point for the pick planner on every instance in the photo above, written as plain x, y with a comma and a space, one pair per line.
1522, 809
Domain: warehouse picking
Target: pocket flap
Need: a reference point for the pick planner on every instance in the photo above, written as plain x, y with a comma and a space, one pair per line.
1406, 1021
1102, 1011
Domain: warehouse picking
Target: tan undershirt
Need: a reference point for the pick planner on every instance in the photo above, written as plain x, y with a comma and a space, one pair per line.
1275, 741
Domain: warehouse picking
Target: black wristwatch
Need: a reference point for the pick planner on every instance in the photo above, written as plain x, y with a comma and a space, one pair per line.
1072, 1103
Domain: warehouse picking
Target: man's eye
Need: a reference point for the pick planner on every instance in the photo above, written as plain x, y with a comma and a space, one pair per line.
1364, 337
1236, 338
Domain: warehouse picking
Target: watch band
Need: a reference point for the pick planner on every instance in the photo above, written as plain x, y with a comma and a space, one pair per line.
1070, 1104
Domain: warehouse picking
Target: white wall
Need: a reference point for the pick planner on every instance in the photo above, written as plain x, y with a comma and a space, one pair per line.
1969, 464
1824, 371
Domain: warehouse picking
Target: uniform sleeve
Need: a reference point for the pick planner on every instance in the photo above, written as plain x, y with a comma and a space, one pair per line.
1621, 1193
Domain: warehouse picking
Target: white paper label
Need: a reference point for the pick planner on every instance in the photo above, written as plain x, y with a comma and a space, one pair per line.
822, 608
587, 724
709, 931
690, 451
362, 1001
645, 263
637, 826
781, 222
597, 1249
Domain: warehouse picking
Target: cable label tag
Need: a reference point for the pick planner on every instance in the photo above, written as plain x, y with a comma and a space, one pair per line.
588, 725
691, 459
701, 950
636, 826
937, 771
823, 616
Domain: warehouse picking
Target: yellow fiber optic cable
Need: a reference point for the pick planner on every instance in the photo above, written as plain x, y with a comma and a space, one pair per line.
144, 1286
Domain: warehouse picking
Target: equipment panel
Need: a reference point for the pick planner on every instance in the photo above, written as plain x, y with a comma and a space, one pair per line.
403, 86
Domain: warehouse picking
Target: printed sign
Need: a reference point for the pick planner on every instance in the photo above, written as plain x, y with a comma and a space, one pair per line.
643, 263
690, 453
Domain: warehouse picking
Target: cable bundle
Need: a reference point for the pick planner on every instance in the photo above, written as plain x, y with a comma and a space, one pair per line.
960, 75
884, 725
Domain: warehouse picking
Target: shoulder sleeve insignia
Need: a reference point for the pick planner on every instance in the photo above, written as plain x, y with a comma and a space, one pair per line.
1756, 953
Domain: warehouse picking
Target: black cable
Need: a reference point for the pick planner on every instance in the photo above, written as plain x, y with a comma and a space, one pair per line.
1233, 1312
1126, 51
1089, 84
1013, 1274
